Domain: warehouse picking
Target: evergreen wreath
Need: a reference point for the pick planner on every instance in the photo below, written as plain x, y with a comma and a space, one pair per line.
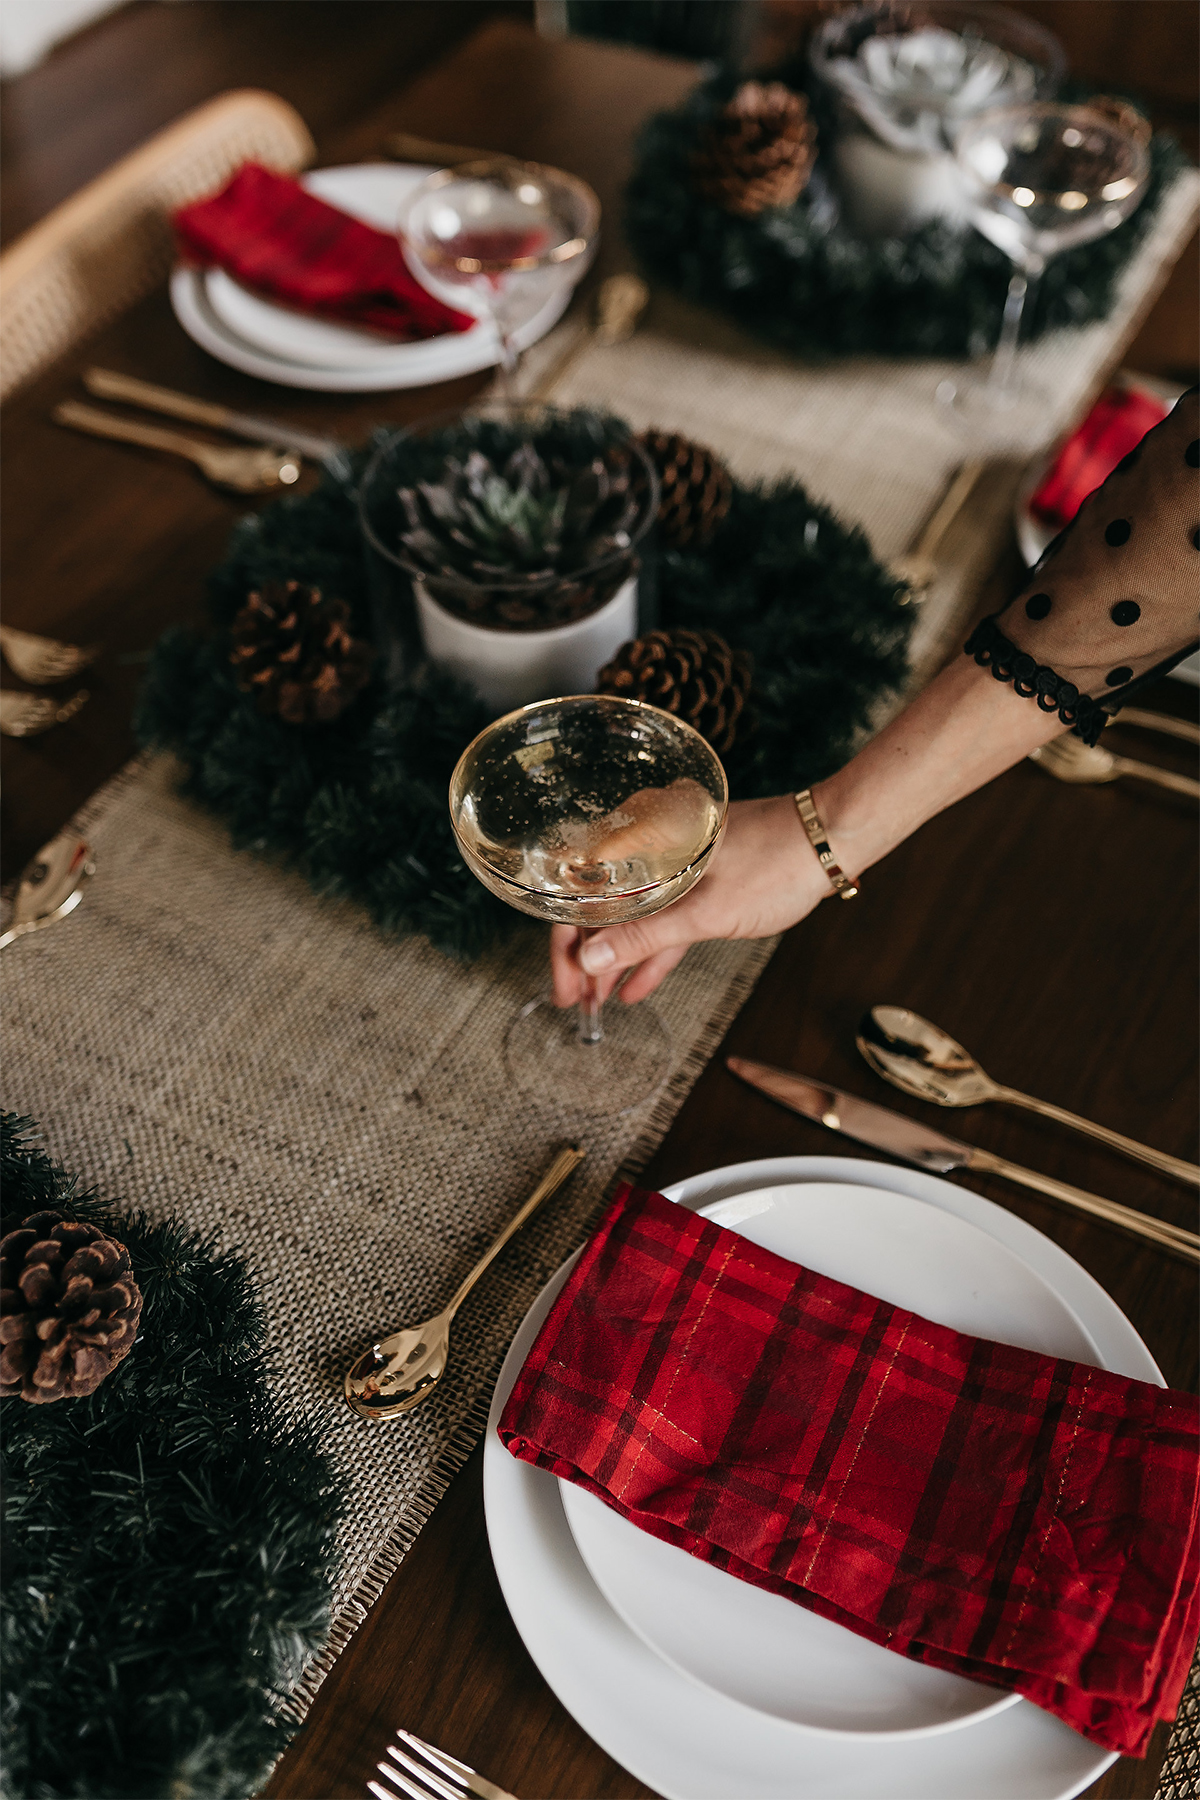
167, 1539
799, 278
359, 805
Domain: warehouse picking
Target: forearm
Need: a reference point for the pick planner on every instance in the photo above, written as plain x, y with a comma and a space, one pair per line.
959, 732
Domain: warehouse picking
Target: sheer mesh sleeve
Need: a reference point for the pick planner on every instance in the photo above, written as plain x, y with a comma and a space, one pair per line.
1115, 599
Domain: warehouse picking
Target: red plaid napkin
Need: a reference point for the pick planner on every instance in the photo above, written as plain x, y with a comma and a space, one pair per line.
1022, 1520
1116, 425
270, 233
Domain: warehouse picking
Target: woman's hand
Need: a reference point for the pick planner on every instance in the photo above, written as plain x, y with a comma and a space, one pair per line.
763, 877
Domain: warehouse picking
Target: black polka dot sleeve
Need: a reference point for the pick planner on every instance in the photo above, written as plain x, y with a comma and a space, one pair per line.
1115, 599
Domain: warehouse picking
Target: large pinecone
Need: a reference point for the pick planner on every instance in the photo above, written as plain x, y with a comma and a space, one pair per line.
758, 151
69, 1308
691, 673
695, 488
293, 649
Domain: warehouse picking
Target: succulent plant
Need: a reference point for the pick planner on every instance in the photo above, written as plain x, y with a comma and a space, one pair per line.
528, 542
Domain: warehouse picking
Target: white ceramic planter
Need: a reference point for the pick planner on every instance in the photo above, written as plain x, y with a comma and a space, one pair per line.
511, 668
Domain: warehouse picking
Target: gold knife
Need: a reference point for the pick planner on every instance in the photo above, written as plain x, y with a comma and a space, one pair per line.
930, 1149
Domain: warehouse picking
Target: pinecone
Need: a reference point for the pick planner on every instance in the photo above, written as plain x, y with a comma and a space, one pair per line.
69, 1308
293, 649
691, 673
758, 151
695, 488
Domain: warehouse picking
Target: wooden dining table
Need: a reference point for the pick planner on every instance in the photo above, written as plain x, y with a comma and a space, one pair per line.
1051, 928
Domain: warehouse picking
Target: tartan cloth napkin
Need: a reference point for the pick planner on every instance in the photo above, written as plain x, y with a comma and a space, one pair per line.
1020, 1519
1116, 425
270, 233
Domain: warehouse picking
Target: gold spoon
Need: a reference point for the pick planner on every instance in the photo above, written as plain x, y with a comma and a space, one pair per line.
1070, 759
25, 715
402, 1370
924, 1061
51, 886
244, 471
43, 661
620, 302
918, 567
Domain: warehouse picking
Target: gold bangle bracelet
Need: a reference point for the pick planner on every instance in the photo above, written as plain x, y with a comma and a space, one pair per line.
840, 882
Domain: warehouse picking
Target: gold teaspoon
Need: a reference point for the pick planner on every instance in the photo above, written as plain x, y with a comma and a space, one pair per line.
51, 886
402, 1370
922, 1060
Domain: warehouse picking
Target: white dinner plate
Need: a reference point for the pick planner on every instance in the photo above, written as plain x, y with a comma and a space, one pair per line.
278, 344
690, 1742
760, 1648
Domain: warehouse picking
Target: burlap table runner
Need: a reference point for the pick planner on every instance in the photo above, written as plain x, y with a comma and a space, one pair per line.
865, 435
205, 1037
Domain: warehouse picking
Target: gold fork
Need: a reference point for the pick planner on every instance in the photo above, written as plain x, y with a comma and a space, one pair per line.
43, 661
1070, 759
244, 471
25, 715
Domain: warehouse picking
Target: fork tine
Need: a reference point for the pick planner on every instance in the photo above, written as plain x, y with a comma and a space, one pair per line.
440, 1758
434, 1784
374, 1788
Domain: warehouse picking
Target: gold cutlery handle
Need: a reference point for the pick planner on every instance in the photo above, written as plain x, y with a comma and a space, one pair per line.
564, 1164
1174, 1238
109, 385
1178, 784
955, 498
1154, 1159
1183, 729
107, 425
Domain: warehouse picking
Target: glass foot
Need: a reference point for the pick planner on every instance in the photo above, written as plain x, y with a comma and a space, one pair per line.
546, 1057
1020, 414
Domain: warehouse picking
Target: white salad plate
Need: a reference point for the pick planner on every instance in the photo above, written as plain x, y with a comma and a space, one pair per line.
278, 344
760, 1648
686, 1737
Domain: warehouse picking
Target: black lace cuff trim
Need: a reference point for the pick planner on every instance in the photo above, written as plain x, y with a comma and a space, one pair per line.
1034, 680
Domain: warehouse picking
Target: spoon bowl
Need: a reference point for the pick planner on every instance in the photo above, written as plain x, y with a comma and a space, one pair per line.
51, 886
395, 1374
921, 1059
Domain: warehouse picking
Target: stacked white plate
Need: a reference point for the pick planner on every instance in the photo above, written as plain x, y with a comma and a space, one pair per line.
708, 1689
273, 342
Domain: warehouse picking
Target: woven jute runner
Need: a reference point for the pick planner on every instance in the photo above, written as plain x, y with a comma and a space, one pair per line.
204, 1037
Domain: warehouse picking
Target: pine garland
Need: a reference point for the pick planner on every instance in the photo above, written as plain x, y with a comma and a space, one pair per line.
798, 277
360, 805
167, 1539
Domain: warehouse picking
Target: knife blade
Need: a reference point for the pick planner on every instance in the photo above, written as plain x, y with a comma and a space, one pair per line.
110, 385
927, 1148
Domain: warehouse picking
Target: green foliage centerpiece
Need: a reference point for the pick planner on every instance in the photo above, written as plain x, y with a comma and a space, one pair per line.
358, 802
167, 1537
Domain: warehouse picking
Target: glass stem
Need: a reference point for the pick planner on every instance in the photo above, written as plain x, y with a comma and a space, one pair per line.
510, 356
1000, 380
591, 1031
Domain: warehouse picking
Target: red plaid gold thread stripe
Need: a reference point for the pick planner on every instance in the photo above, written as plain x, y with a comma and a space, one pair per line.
270, 233
1013, 1517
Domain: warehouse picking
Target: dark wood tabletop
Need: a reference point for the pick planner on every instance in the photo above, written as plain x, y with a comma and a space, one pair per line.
1053, 929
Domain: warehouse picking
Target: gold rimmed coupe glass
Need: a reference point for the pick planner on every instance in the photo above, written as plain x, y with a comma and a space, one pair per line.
1039, 179
513, 233
589, 811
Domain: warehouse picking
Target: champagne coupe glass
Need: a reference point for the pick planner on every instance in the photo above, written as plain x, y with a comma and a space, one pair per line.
1037, 180
512, 233
588, 811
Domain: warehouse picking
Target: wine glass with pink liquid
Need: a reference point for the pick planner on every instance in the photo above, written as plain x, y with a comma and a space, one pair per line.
512, 233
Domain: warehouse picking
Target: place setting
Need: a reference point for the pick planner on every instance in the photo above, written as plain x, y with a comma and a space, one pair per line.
371, 1144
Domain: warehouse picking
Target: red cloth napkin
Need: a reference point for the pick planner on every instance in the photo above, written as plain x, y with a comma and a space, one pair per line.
270, 233
1116, 425
1023, 1520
